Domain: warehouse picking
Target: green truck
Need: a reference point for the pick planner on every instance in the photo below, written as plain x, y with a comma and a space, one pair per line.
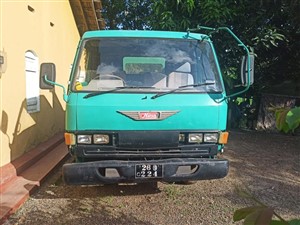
146, 106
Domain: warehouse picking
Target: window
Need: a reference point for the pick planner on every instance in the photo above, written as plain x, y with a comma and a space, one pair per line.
147, 64
32, 82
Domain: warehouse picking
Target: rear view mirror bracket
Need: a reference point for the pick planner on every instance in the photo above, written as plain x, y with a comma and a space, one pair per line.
47, 70
247, 68
47, 78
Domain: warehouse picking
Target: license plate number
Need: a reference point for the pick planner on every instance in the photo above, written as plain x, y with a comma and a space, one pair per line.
148, 171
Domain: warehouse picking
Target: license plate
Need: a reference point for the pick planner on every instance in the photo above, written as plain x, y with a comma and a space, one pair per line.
148, 171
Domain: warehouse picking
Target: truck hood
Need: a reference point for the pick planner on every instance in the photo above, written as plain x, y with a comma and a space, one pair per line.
114, 111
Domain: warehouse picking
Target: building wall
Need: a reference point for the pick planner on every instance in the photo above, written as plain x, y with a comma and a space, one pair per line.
46, 30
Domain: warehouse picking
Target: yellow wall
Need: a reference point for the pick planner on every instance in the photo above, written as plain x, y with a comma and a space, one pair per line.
22, 30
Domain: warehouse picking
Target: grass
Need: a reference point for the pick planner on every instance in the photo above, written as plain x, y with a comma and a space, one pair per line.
172, 191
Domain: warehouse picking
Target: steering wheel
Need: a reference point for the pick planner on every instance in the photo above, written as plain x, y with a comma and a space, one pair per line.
108, 77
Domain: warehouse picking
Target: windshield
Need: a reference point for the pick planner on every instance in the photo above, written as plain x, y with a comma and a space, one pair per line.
141, 63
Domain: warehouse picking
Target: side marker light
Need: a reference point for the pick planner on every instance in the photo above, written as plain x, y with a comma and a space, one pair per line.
223, 137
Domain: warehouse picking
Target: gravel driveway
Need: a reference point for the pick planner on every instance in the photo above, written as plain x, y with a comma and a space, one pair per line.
267, 164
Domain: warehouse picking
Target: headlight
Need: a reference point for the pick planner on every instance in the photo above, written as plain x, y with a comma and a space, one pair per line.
211, 137
195, 138
84, 139
101, 139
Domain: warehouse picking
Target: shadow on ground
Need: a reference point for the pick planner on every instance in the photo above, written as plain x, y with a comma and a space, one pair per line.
268, 165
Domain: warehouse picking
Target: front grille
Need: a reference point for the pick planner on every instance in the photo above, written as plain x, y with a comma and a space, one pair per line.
131, 145
122, 153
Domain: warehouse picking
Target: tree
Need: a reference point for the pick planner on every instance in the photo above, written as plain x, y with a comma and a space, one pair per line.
127, 15
270, 28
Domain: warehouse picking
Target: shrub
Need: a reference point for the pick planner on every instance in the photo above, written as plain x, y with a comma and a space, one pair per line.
259, 214
287, 119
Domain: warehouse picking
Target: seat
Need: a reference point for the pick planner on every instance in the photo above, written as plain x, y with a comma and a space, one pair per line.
176, 79
153, 79
181, 76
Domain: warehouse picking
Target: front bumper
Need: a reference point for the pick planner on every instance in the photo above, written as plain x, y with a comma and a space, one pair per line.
93, 172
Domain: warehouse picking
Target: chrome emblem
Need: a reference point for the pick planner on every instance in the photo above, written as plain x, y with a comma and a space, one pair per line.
148, 115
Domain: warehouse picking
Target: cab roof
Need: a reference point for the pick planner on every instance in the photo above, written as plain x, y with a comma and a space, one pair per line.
143, 34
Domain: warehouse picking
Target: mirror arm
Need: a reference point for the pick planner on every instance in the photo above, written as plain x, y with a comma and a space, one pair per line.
241, 44
65, 96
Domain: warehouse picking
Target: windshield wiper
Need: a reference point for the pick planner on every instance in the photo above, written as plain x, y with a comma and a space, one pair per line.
181, 88
113, 90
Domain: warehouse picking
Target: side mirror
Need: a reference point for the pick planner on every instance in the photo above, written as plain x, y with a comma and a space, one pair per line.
47, 75
245, 74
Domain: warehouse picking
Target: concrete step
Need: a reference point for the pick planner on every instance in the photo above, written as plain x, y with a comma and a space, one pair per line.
17, 190
13, 169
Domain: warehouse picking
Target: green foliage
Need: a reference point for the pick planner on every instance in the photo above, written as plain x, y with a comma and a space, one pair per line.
172, 15
219, 12
172, 191
254, 215
294, 222
293, 118
287, 120
270, 28
127, 15
230, 77
281, 124
259, 213
269, 38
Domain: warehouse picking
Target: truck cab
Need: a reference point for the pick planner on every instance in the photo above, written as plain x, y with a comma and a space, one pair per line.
144, 106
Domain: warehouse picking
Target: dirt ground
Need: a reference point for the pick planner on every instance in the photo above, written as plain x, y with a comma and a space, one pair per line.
267, 164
